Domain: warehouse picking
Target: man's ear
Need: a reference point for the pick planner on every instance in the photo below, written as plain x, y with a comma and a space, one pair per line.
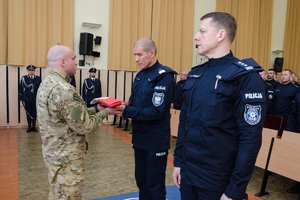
152, 52
62, 62
222, 35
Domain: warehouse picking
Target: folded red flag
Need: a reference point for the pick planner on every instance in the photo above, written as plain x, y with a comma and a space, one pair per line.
109, 101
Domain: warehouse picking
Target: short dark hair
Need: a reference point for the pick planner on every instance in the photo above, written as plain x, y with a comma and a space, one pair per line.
224, 20
288, 70
272, 70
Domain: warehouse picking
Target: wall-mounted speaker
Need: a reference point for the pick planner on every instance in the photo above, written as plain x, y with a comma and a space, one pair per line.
98, 40
96, 54
86, 43
278, 63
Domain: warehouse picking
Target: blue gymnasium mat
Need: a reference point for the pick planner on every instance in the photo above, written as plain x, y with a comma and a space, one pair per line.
172, 194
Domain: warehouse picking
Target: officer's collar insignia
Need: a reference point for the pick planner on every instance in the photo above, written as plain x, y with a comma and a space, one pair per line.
157, 99
195, 75
252, 114
161, 71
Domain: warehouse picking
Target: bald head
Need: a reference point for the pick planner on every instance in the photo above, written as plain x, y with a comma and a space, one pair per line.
56, 53
62, 58
183, 75
146, 44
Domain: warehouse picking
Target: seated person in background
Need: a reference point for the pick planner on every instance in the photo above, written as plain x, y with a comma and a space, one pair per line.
295, 79
278, 77
269, 91
178, 93
271, 78
284, 95
91, 88
263, 74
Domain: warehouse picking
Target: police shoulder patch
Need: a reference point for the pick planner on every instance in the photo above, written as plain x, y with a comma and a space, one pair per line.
252, 114
158, 99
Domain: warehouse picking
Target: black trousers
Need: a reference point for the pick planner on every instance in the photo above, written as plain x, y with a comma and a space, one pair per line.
190, 192
150, 174
30, 108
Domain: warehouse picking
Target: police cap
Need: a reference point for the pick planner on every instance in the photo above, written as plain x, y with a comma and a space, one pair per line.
30, 67
93, 70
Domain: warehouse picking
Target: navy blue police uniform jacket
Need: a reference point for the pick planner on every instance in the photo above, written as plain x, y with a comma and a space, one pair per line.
149, 108
273, 83
221, 121
269, 96
91, 89
284, 96
28, 88
178, 95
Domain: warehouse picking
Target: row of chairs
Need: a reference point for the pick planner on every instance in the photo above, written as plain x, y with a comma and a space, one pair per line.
279, 152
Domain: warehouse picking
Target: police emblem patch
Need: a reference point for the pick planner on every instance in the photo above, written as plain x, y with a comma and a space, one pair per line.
157, 99
252, 114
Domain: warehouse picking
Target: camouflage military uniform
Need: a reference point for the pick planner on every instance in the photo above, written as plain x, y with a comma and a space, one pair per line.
64, 120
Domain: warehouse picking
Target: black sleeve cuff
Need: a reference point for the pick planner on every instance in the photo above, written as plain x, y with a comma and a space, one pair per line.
96, 108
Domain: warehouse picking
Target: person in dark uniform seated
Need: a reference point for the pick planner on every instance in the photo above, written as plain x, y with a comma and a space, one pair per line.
295, 79
28, 87
271, 74
284, 95
178, 93
269, 91
91, 88
73, 81
293, 125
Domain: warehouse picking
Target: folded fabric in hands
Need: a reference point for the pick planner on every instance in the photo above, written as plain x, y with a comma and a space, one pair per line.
109, 101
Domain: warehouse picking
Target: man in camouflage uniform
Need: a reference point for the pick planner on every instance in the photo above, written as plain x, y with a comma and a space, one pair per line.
64, 120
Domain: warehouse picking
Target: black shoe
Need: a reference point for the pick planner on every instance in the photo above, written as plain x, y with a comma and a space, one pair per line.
28, 130
34, 129
293, 190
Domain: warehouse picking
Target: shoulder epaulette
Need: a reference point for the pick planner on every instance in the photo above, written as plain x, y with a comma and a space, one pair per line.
248, 64
159, 71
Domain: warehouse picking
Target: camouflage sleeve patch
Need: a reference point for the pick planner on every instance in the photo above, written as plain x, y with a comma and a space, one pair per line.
76, 113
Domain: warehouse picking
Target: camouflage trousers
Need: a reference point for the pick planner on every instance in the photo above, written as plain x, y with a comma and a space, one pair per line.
66, 181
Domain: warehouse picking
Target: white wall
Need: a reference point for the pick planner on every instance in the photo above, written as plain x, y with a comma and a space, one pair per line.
93, 11
278, 26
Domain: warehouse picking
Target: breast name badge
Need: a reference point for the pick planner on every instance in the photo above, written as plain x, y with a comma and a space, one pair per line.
157, 99
252, 114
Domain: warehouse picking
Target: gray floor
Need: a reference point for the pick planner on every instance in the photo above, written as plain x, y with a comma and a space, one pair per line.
109, 169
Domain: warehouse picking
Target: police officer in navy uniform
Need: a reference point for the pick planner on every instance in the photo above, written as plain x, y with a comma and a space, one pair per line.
91, 88
28, 87
149, 109
221, 118
284, 95
269, 91
271, 78
178, 94
73, 81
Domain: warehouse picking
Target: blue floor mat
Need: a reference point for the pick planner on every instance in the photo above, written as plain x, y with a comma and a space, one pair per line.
172, 194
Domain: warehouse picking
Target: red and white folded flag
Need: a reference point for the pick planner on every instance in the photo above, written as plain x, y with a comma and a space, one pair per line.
109, 102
